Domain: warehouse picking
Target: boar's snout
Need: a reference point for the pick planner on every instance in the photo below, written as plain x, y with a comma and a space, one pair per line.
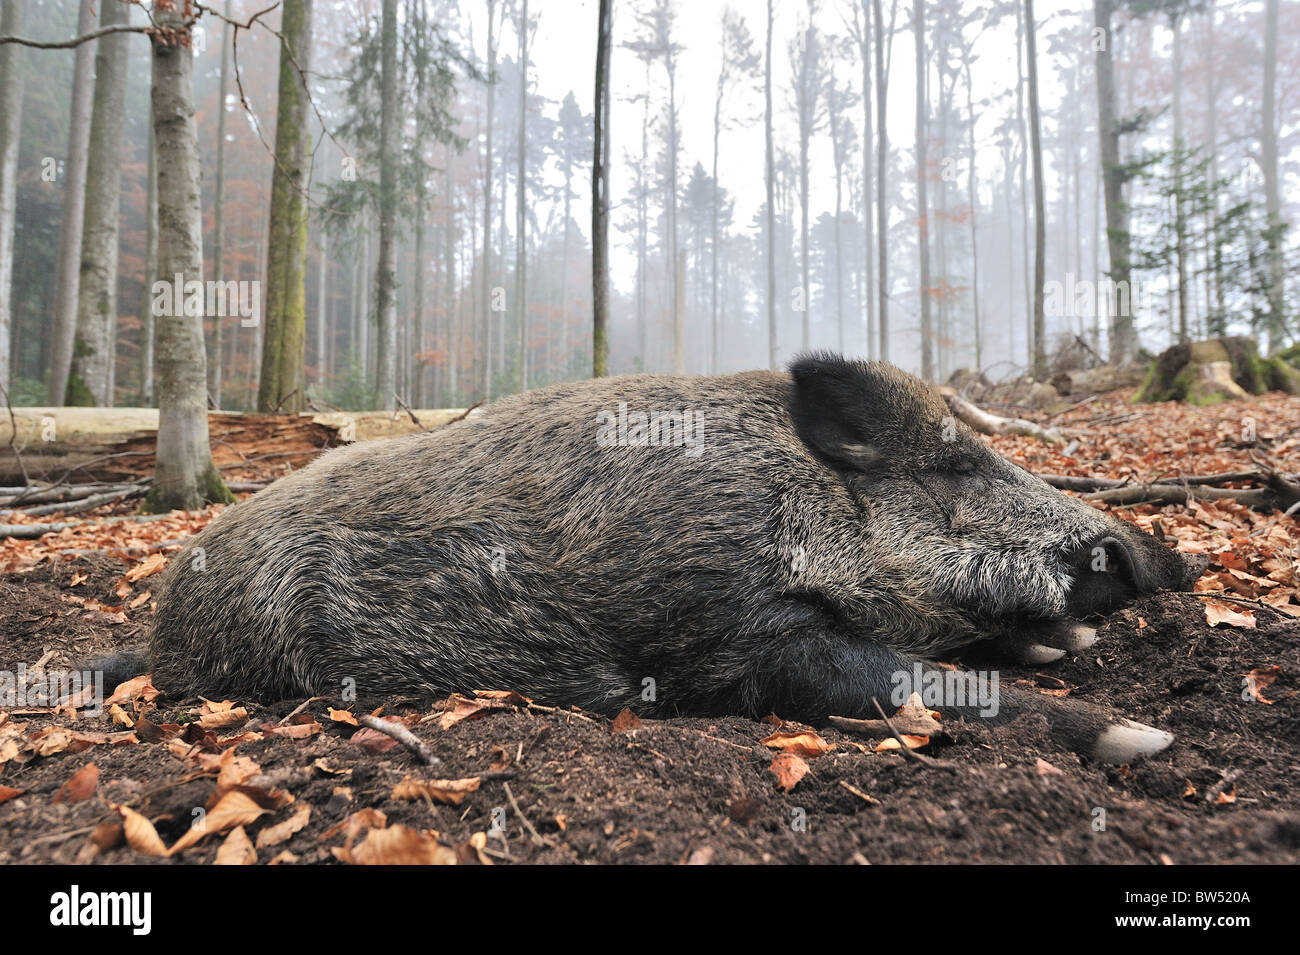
1123, 564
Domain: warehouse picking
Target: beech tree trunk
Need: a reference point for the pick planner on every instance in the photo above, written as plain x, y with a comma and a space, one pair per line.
1040, 216
97, 290
1123, 337
184, 475
922, 205
219, 210
12, 58
67, 272
600, 194
281, 386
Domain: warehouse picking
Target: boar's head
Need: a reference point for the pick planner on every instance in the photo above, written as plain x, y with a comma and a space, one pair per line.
969, 534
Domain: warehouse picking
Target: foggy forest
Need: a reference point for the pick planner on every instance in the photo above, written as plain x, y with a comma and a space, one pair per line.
775, 185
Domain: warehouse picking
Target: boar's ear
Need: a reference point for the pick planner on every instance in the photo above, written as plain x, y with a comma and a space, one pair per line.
862, 414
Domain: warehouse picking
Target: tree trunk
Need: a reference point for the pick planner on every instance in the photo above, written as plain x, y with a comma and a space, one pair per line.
922, 206
485, 296
1272, 202
882, 168
600, 195
150, 273
386, 266
1180, 214
972, 198
770, 169
67, 272
184, 475
12, 69
219, 210
1123, 338
97, 289
1030, 344
521, 194
1040, 217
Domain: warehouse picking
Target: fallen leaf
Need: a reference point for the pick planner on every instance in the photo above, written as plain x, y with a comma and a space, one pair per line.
236, 850
8, 792
234, 808
141, 836
146, 568
343, 716
625, 722
451, 792
913, 742
805, 743
136, 688
788, 769
1217, 612
276, 834
397, 845
1262, 678
462, 708
80, 785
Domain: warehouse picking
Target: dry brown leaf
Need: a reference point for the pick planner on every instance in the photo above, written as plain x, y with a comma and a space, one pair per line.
913, 742
462, 708
236, 850
136, 688
451, 792
805, 743
343, 716
1217, 612
1225, 798
397, 845
141, 836
1262, 678
8, 792
788, 769
234, 808
276, 834
146, 568
81, 785
294, 730
625, 722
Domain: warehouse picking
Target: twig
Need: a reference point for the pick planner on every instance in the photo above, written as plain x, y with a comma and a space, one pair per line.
538, 838
911, 753
301, 706
399, 732
464, 414
411, 414
1230, 777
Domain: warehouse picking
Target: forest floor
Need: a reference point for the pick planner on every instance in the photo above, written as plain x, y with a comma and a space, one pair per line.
520, 782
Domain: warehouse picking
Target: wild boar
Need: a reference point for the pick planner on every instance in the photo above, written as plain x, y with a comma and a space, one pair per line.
739, 544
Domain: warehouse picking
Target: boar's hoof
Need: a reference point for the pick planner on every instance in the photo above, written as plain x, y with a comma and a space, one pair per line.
1126, 741
1053, 641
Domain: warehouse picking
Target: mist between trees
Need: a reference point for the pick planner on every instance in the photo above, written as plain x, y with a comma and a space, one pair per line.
407, 185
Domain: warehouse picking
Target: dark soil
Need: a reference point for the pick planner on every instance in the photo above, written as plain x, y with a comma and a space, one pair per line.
685, 789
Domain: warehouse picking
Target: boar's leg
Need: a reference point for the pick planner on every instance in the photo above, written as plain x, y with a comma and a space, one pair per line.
813, 676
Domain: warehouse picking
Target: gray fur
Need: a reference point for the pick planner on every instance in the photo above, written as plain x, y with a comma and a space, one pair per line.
820, 523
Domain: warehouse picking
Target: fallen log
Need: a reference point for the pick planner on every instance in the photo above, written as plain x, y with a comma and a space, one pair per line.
986, 422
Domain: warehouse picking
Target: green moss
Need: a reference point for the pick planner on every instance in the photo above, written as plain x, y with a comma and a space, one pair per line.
1280, 376
211, 490
77, 394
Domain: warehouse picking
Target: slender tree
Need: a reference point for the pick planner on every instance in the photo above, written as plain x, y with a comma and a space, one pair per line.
737, 61
809, 83
12, 63
282, 386
1040, 217
184, 475
1275, 227
67, 271
485, 288
769, 176
600, 195
922, 205
215, 354
97, 289
1123, 337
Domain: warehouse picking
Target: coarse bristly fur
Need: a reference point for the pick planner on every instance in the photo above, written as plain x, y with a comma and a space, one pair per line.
783, 543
